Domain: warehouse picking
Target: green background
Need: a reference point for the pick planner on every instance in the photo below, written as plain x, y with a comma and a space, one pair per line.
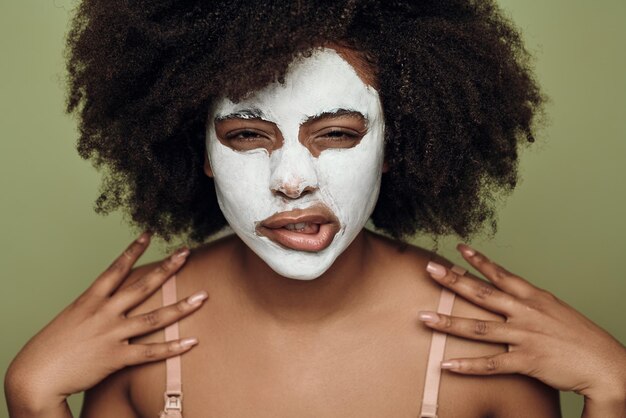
563, 228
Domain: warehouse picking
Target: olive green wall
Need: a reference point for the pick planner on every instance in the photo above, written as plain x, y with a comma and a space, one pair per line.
563, 228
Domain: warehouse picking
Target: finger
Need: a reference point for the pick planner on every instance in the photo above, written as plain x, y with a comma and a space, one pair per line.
140, 290
474, 329
162, 317
473, 289
115, 274
145, 353
505, 363
496, 274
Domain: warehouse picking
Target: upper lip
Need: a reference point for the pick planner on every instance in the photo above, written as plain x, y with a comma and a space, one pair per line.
318, 214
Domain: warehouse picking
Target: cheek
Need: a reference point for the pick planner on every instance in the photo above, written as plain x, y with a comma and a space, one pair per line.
351, 176
240, 178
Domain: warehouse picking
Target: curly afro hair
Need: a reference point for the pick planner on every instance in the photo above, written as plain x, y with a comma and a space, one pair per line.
453, 75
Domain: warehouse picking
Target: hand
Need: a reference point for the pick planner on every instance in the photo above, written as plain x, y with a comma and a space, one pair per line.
547, 339
88, 340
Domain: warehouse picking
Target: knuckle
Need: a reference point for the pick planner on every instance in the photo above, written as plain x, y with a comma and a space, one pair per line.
81, 300
149, 352
492, 364
128, 253
500, 273
182, 307
140, 285
452, 278
464, 366
164, 267
173, 347
85, 304
531, 306
480, 259
132, 250
151, 319
547, 295
116, 266
483, 291
447, 321
481, 328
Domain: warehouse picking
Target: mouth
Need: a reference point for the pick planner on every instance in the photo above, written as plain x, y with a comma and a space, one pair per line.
311, 229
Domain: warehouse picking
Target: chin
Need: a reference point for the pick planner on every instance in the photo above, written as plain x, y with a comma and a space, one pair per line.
293, 264
301, 272
299, 265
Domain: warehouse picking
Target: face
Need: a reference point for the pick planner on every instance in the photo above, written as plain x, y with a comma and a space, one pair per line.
297, 166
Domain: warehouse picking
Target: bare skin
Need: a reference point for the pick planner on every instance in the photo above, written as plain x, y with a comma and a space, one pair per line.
362, 355
349, 343
88, 340
537, 322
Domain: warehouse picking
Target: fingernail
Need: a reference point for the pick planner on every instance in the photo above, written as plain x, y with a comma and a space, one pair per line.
198, 297
180, 254
449, 364
428, 316
436, 270
143, 238
467, 250
188, 342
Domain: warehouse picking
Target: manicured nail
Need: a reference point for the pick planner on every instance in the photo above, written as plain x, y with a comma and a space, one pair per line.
143, 238
188, 342
452, 364
436, 270
467, 250
198, 297
428, 316
180, 253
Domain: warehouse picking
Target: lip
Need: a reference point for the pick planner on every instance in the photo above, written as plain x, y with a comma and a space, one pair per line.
273, 228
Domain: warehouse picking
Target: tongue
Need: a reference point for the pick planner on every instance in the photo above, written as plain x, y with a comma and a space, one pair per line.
308, 229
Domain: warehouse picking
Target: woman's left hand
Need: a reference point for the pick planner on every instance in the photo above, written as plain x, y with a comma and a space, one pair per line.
547, 339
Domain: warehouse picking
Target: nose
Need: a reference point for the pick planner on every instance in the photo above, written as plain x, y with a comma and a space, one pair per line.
293, 173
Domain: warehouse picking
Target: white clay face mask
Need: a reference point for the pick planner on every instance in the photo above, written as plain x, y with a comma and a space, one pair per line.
297, 166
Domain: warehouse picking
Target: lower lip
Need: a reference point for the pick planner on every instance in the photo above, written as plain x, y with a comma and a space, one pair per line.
299, 241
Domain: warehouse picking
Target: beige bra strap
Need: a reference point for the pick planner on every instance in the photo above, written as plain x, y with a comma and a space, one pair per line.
173, 395
435, 355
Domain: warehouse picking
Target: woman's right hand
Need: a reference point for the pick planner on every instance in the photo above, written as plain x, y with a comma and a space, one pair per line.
89, 339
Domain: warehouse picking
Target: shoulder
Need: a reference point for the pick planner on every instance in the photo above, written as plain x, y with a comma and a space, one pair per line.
465, 395
116, 393
200, 272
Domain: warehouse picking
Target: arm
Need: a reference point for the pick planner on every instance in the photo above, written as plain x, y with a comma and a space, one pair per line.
89, 340
20, 406
109, 398
547, 339
520, 396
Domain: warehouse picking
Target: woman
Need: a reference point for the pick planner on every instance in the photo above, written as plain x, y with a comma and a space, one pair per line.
307, 311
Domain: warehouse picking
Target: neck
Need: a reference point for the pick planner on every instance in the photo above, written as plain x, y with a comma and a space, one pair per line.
341, 290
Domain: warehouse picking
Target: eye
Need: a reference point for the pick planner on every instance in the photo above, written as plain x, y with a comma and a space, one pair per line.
245, 135
337, 138
248, 139
339, 135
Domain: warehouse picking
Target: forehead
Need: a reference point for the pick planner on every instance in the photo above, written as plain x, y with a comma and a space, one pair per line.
322, 82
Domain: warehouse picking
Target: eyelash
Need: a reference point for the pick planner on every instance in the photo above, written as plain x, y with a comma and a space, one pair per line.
244, 136
337, 135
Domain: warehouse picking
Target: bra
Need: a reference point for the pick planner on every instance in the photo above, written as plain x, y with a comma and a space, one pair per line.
173, 395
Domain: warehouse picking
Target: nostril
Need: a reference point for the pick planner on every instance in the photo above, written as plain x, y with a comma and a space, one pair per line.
307, 190
293, 192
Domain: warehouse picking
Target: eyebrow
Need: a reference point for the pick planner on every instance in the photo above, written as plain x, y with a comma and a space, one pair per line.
255, 113
335, 114
252, 113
